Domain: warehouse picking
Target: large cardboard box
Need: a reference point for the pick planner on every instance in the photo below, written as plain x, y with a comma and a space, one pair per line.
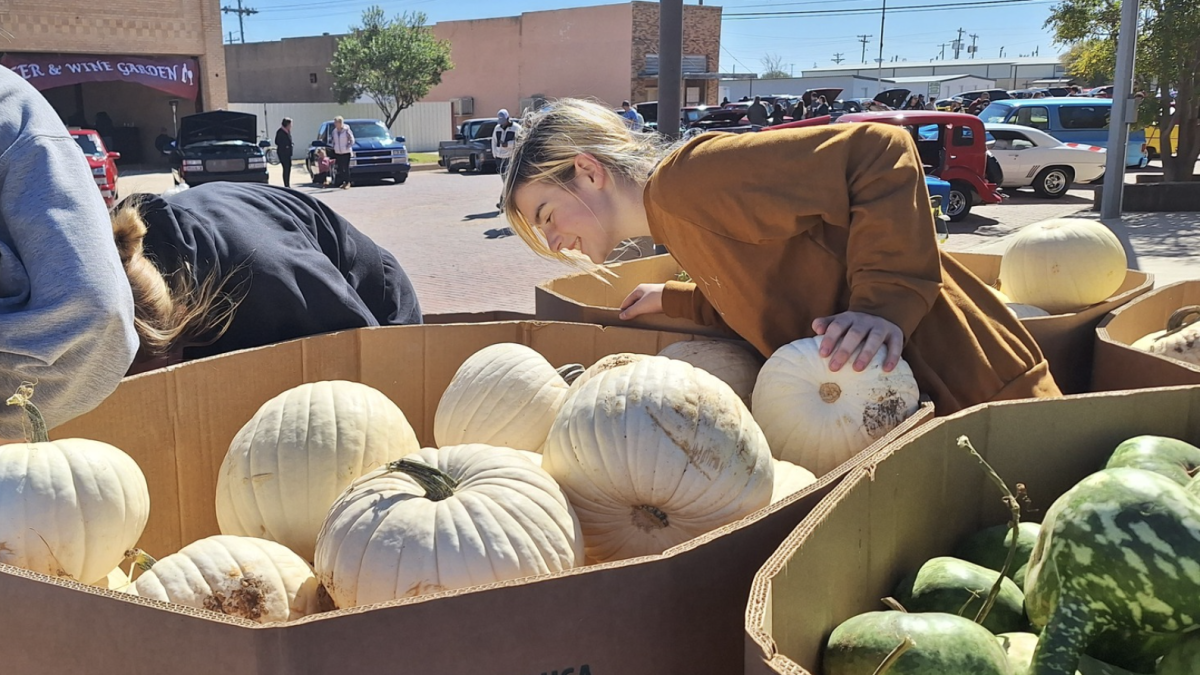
922, 495
1066, 339
1119, 366
680, 612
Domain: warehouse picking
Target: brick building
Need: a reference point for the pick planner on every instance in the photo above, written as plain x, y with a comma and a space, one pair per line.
608, 52
129, 59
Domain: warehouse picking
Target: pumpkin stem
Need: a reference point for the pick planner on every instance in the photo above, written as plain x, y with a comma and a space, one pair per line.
893, 604
570, 372
1014, 509
141, 560
23, 398
891, 659
437, 484
1183, 317
830, 392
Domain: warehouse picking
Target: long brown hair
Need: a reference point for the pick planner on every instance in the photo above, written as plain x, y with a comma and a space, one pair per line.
171, 310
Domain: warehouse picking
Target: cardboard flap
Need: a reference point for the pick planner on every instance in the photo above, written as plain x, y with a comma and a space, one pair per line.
1117, 365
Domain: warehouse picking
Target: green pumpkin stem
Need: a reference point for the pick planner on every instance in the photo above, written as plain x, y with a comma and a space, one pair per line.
1014, 509
23, 398
437, 484
893, 604
891, 659
1182, 318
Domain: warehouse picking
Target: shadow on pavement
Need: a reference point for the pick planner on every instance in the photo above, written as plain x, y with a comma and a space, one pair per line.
499, 233
478, 216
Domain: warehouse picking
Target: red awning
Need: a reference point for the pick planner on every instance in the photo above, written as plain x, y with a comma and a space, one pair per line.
175, 75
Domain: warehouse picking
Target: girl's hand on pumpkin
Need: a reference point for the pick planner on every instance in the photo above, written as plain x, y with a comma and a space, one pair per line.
843, 333
645, 299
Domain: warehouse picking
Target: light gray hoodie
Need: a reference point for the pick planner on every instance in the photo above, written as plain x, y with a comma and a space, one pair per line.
66, 311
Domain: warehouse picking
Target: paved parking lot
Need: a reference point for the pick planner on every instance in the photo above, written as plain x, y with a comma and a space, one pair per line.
462, 257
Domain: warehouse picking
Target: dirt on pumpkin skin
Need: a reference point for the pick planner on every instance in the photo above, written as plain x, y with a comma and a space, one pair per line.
249, 601
884, 414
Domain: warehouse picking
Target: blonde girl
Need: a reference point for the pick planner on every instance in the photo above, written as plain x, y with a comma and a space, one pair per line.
840, 243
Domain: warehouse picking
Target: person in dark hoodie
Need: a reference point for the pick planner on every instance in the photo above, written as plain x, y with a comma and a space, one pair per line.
228, 266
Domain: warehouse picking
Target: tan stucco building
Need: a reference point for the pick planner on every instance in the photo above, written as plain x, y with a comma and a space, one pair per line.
608, 52
126, 58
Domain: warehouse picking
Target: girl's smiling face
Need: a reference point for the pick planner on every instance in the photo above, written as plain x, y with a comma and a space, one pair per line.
579, 218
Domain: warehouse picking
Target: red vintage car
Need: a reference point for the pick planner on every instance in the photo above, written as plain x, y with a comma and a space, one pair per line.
102, 162
952, 146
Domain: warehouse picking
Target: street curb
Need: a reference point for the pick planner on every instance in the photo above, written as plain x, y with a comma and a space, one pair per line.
423, 167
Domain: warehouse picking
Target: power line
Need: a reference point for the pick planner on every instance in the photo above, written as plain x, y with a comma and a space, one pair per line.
871, 10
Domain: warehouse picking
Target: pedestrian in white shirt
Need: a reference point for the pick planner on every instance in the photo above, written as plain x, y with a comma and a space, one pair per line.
342, 140
504, 137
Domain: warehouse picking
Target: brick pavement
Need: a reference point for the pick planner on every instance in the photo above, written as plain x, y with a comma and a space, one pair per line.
445, 230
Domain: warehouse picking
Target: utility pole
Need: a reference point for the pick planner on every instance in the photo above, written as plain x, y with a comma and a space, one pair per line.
670, 66
942, 57
972, 49
958, 43
879, 75
863, 39
837, 58
1001, 52
241, 12
230, 37
1123, 113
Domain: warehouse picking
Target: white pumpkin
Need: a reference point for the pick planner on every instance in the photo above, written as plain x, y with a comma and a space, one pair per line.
732, 364
68, 508
443, 519
654, 453
818, 418
504, 395
1063, 265
606, 364
246, 577
116, 580
1180, 340
789, 479
1026, 311
289, 463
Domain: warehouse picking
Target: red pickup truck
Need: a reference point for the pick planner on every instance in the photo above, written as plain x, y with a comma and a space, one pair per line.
102, 162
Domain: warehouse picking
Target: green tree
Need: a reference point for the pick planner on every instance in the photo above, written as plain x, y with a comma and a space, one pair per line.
1168, 60
394, 61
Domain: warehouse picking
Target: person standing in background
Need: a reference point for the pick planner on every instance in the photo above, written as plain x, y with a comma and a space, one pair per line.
342, 140
757, 113
283, 146
504, 137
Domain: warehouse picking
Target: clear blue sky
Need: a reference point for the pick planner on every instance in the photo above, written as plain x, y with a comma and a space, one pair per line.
799, 41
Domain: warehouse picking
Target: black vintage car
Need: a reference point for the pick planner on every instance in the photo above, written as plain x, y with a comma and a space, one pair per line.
217, 145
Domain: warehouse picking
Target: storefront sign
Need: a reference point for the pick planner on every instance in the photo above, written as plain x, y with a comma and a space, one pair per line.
176, 75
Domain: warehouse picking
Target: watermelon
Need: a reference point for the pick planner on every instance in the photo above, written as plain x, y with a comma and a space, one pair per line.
1183, 658
956, 586
1170, 457
989, 547
1019, 648
1116, 572
943, 644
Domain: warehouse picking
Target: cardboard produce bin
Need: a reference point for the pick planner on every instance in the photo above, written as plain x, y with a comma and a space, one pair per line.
1066, 339
921, 496
1120, 366
679, 612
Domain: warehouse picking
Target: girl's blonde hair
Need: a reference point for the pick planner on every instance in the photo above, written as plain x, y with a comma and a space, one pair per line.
170, 311
546, 148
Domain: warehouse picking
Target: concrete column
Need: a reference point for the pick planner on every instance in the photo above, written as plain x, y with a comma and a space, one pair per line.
670, 66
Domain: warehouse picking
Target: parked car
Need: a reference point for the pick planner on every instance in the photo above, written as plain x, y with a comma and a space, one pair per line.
471, 148
102, 162
1032, 158
217, 145
1072, 119
952, 146
376, 154
968, 97
649, 112
719, 119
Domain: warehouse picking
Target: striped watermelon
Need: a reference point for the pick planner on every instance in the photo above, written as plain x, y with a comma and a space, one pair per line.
943, 644
1172, 458
989, 547
1116, 571
954, 586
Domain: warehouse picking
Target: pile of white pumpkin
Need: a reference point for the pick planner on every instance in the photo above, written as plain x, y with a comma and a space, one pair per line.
532, 475
1060, 266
